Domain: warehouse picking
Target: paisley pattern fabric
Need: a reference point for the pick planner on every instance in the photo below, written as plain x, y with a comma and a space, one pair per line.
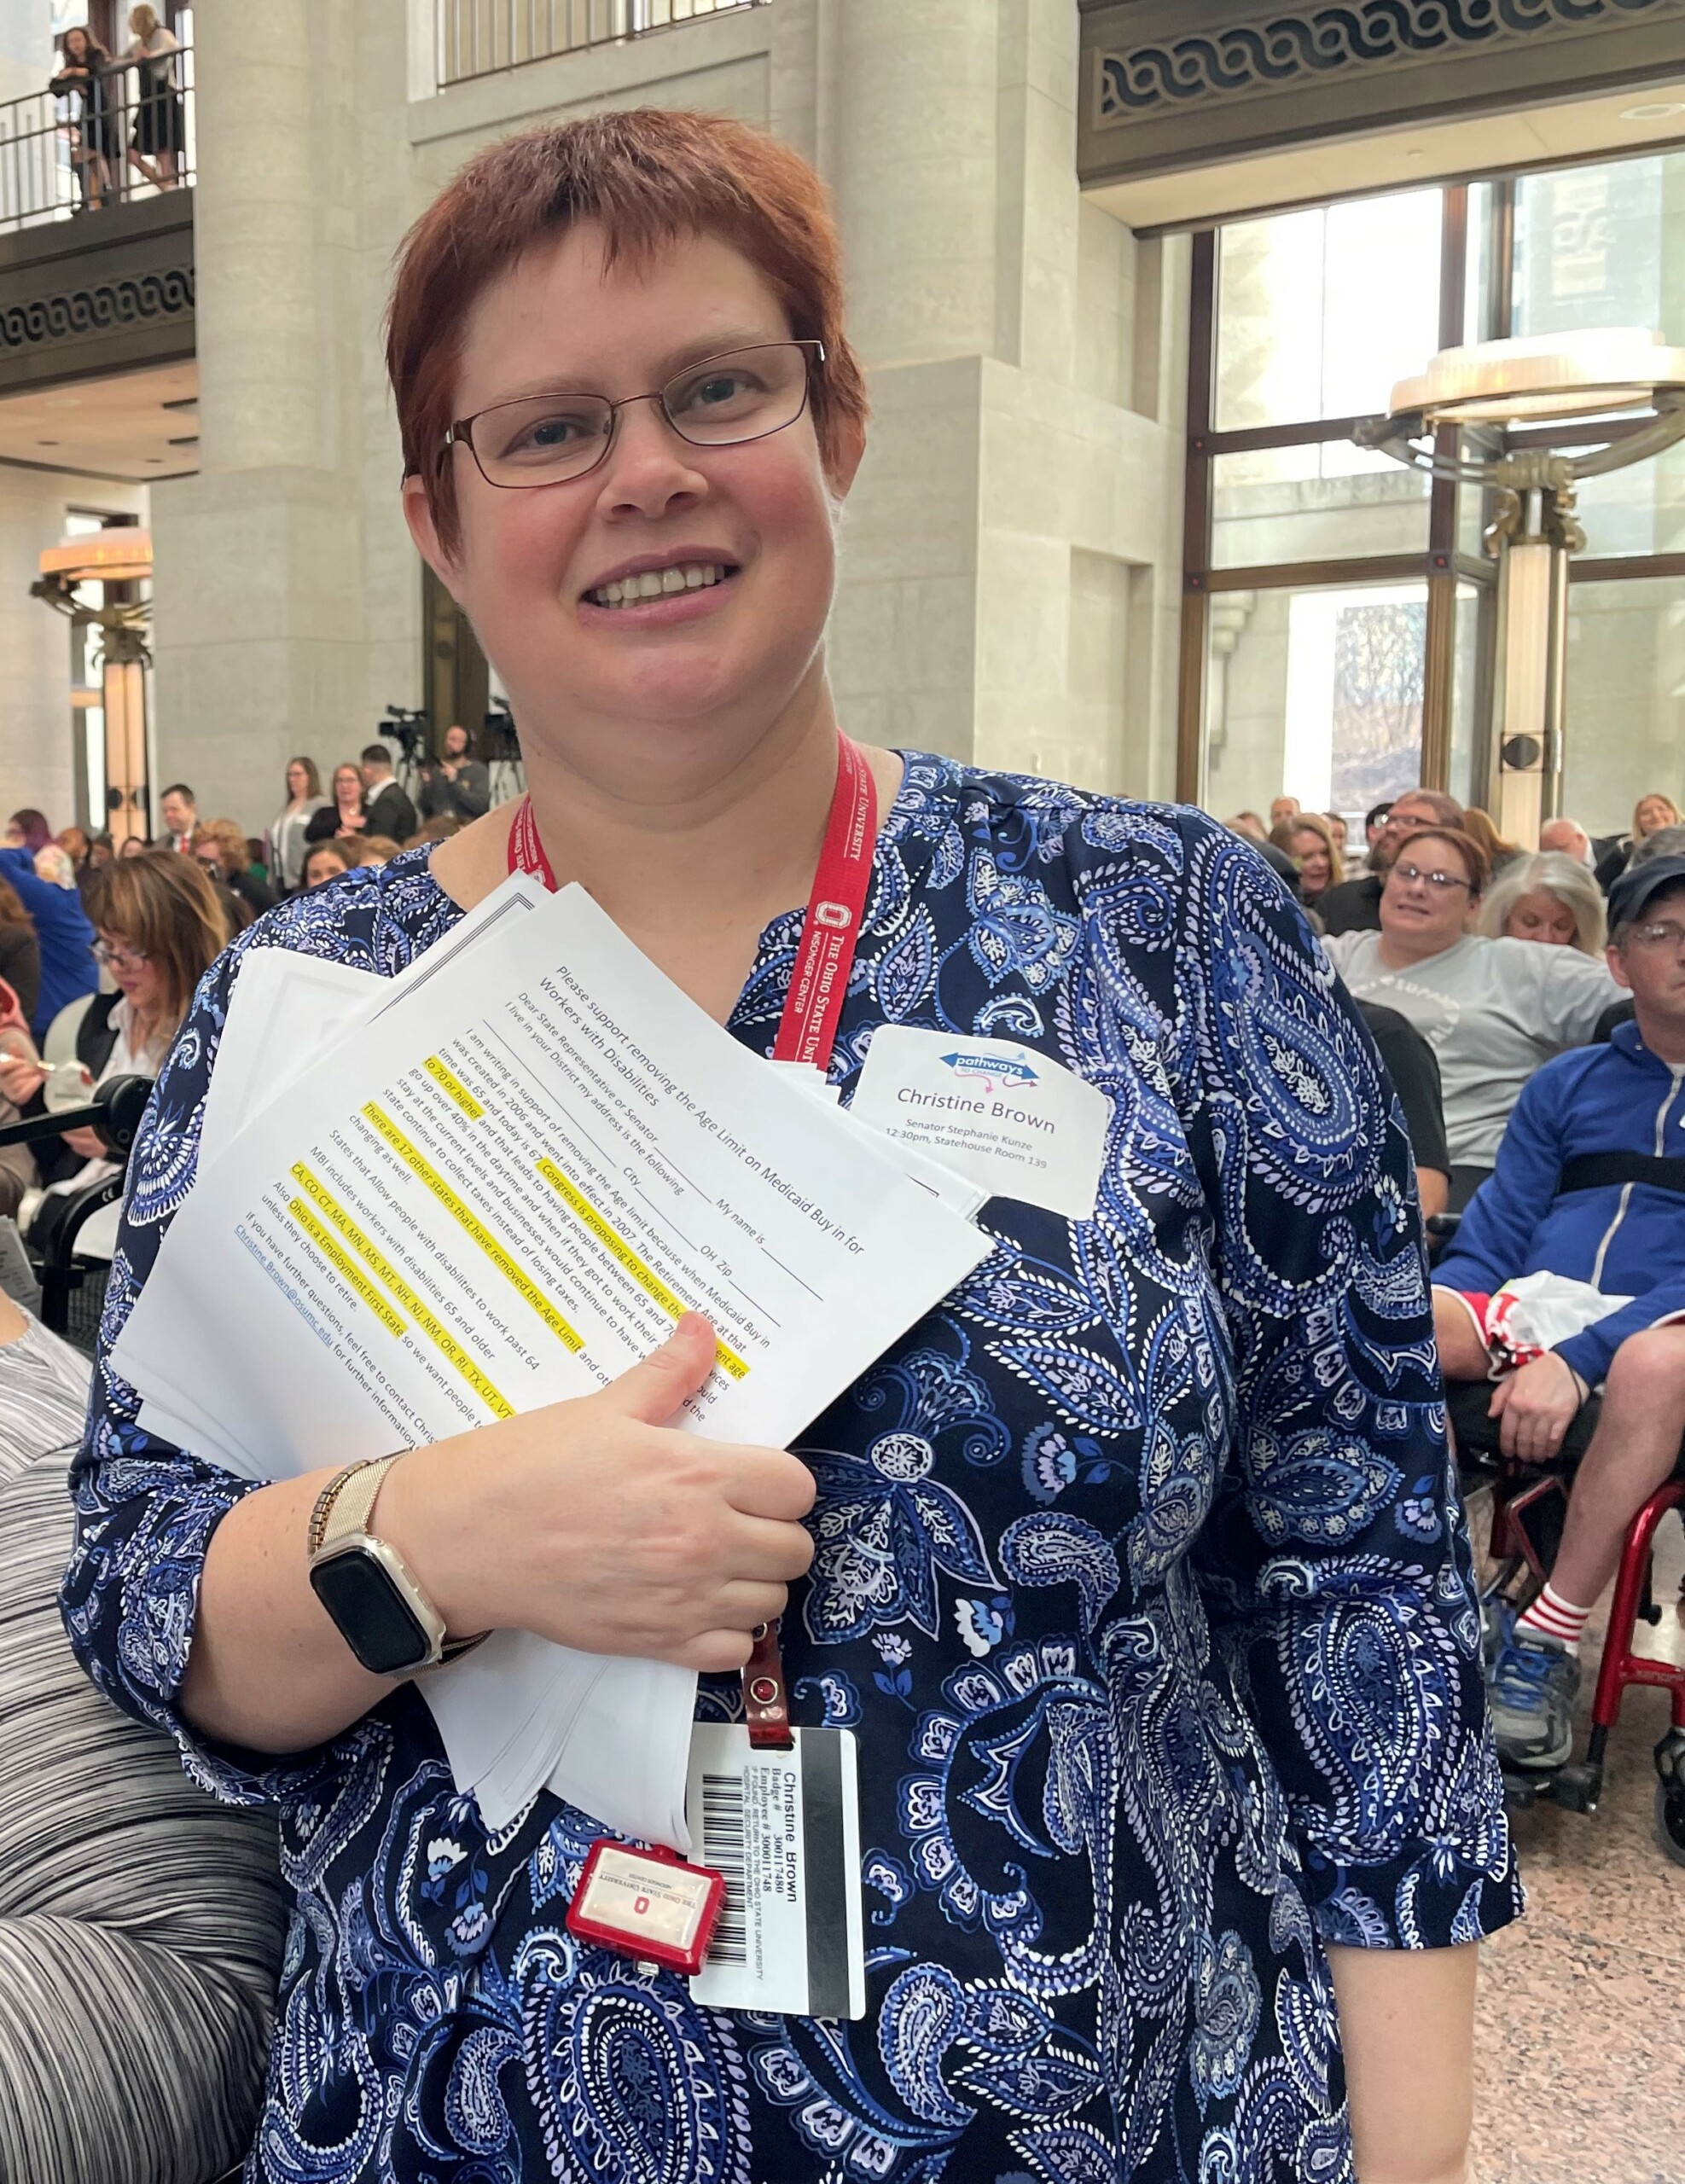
1140, 1574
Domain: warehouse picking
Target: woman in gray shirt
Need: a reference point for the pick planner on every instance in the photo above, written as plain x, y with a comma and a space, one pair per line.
1492, 1010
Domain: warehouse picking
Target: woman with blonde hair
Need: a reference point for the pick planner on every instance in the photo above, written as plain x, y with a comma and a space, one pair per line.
1310, 840
1649, 816
1547, 898
343, 810
159, 132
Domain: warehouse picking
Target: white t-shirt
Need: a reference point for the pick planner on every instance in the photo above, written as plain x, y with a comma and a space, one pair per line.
153, 54
97, 1237
1492, 1011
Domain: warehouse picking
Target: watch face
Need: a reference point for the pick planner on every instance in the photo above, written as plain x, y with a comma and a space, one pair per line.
375, 1620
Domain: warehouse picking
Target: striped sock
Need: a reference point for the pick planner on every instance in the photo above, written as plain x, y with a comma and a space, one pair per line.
1552, 1617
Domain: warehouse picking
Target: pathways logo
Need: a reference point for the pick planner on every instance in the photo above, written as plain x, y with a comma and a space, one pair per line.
992, 1072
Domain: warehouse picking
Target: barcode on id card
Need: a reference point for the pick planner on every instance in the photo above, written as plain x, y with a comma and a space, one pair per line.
722, 1850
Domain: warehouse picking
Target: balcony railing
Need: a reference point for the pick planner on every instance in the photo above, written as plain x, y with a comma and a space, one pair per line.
88, 150
482, 38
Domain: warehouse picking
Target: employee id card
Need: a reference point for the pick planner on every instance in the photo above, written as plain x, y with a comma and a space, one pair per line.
783, 1829
1010, 1117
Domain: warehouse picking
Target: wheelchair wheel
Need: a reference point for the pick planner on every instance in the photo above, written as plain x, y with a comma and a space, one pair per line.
1671, 1820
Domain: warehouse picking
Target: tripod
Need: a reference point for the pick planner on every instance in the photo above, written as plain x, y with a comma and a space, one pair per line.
500, 749
406, 727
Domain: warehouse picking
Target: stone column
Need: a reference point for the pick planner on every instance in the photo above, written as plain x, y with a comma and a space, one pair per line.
259, 615
1013, 519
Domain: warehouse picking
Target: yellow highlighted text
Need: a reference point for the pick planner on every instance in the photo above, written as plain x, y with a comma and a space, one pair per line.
616, 1244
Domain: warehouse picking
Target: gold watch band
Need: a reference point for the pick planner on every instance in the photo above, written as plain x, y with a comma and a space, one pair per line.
323, 1509
351, 1498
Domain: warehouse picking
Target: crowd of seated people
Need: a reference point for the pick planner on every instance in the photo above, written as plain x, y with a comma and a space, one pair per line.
1493, 1009
101, 943
1550, 996
1566, 1276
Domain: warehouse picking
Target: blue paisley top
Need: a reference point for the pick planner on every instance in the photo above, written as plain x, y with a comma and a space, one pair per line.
1140, 1573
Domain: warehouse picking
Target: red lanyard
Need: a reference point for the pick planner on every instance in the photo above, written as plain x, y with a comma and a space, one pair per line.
807, 1031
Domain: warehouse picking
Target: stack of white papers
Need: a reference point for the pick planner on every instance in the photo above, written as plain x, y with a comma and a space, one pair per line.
428, 1203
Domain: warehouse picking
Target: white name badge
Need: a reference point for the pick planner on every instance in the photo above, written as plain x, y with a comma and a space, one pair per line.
1021, 1125
783, 1829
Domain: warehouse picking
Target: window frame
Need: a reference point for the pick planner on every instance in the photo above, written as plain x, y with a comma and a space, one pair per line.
1444, 566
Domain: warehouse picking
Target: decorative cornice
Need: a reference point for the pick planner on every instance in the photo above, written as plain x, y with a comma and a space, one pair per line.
1283, 49
131, 300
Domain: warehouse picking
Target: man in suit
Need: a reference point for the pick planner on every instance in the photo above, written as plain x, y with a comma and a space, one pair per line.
387, 809
179, 811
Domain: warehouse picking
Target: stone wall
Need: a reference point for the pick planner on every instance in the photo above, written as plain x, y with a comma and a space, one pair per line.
1009, 583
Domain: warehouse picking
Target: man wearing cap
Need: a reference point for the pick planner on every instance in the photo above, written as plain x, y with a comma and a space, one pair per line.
1589, 1188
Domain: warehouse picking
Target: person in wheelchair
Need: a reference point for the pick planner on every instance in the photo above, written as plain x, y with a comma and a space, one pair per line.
1567, 1277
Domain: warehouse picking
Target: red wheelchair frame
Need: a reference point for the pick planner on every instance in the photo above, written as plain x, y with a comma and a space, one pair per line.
1578, 1783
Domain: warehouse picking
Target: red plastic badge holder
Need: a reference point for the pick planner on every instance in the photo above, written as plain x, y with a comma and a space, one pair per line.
647, 1904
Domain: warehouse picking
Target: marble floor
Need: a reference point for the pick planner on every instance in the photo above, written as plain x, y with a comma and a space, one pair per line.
1581, 2041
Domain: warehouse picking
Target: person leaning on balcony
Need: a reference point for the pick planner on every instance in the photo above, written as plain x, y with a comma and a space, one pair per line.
86, 73
156, 140
1142, 1552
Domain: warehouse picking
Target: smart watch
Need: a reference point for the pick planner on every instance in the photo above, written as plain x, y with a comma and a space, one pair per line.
366, 1586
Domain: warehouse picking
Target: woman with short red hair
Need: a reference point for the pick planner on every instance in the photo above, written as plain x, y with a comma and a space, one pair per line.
1136, 1567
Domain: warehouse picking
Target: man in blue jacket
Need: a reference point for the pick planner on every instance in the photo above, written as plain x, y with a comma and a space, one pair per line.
1589, 1184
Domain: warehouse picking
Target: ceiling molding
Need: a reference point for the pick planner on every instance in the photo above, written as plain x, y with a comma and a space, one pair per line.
1172, 85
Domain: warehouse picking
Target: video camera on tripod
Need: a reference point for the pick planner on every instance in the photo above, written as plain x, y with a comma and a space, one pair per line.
500, 748
407, 727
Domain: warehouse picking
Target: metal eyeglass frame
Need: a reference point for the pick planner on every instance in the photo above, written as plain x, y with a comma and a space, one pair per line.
460, 433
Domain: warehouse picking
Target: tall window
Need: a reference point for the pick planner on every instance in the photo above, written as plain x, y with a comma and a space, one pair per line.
1338, 623
1605, 246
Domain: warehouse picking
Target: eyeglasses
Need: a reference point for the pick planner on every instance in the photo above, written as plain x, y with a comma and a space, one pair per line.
1664, 933
743, 394
119, 959
1440, 882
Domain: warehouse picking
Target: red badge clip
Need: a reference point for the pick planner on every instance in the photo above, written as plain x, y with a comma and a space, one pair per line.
766, 1703
647, 1904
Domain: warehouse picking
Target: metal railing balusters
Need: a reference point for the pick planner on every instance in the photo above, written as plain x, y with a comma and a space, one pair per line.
40, 179
463, 53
